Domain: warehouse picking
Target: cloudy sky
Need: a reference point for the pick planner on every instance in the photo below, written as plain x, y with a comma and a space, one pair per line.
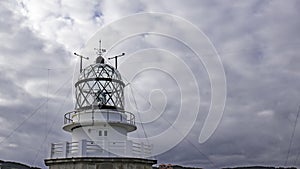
258, 44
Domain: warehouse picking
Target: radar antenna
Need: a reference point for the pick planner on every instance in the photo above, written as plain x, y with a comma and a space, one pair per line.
81, 57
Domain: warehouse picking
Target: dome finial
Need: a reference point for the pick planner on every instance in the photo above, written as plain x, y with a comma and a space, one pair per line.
99, 52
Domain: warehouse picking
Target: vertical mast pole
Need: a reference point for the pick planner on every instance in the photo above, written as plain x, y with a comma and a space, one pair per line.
81, 57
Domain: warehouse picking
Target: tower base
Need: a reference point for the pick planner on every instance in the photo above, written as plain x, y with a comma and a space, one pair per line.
100, 163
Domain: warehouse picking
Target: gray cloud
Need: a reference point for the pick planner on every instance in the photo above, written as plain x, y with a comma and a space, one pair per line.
257, 41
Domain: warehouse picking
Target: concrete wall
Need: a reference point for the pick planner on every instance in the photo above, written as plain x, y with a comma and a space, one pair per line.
100, 163
99, 166
92, 133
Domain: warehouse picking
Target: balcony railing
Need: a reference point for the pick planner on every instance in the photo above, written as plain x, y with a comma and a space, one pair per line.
106, 115
103, 148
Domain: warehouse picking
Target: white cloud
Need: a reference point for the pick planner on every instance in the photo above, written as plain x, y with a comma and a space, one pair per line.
266, 113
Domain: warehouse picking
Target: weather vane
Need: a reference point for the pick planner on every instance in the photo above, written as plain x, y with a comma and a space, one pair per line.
100, 51
100, 59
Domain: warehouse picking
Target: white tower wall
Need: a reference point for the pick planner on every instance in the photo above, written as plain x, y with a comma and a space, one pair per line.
99, 132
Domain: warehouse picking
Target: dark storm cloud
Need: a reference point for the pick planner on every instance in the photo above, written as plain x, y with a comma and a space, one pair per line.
257, 43
27, 65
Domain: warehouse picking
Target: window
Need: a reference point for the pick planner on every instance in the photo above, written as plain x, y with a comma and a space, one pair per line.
104, 134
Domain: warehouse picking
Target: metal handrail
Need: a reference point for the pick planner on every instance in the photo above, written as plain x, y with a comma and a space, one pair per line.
68, 117
72, 148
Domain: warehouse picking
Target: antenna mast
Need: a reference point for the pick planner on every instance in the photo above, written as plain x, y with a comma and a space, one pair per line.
81, 60
116, 59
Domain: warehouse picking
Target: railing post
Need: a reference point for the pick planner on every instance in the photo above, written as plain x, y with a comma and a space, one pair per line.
78, 116
106, 147
150, 150
51, 150
82, 148
65, 149
132, 119
128, 151
142, 149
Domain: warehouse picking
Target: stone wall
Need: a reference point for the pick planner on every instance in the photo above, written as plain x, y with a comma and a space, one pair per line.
100, 163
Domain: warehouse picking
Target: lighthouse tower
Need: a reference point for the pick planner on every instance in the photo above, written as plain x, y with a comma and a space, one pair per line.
99, 125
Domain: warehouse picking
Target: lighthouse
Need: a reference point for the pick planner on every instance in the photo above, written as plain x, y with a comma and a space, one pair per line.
99, 124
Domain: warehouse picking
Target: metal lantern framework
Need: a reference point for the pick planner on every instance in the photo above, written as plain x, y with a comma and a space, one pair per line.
99, 86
